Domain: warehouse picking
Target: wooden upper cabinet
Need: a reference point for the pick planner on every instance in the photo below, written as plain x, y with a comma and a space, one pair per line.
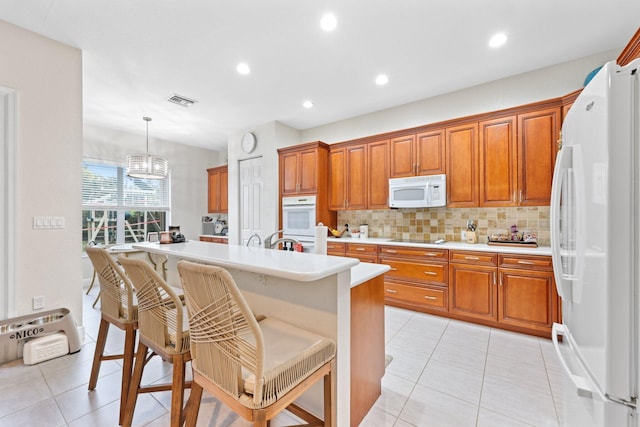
430, 152
421, 154
403, 161
462, 165
378, 173
218, 191
348, 177
299, 171
498, 160
356, 191
337, 178
538, 134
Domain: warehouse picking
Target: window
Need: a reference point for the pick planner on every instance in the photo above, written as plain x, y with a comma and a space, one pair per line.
120, 209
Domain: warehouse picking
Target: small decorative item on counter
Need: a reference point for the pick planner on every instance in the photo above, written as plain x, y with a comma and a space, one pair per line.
297, 247
166, 237
335, 233
355, 234
514, 233
528, 236
364, 231
472, 235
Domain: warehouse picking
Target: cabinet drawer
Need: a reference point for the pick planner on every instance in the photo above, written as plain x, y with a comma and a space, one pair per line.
363, 258
409, 252
334, 248
525, 261
362, 248
415, 294
477, 258
423, 272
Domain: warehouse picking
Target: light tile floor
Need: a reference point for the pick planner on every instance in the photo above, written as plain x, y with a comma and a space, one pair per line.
443, 373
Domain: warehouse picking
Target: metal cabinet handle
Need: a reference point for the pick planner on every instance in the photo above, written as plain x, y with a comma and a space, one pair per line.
430, 273
430, 254
500, 278
430, 297
392, 291
494, 277
360, 249
474, 258
393, 269
391, 251
526, 262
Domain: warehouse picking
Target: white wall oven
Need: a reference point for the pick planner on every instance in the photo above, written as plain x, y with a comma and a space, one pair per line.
299, 217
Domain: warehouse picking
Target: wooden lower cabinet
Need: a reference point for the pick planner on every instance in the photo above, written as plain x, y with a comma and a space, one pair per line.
413, 295
336, 248
362, 251
214, 239
527, 296
473, 291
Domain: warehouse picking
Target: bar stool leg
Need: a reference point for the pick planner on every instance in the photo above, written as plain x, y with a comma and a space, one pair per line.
97, 355
136, 378
127, 366
177, 390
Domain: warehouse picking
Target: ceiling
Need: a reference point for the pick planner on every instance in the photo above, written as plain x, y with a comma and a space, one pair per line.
138, 53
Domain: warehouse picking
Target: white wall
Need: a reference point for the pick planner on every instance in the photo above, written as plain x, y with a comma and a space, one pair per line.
47, 77
188, 166
538, 85
270, 136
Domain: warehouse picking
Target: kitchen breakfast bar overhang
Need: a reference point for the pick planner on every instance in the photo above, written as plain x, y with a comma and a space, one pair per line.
337, 297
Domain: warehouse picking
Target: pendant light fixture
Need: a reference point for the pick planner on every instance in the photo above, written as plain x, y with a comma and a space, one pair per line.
147, 165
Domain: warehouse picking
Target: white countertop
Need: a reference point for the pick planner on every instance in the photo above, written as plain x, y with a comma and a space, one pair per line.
220, 236
482, 247
300, 266
364, 271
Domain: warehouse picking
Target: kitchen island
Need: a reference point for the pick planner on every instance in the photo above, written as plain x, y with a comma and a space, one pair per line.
332, 296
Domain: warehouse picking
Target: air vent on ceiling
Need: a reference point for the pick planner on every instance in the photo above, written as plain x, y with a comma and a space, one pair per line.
181, 100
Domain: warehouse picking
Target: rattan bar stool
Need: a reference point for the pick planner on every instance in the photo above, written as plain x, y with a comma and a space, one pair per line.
163, 331
117, 307
256, 367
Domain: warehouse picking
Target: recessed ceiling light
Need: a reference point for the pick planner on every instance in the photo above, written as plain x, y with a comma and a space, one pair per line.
329, 22
498, 40
382, 80
243, 68
307, 104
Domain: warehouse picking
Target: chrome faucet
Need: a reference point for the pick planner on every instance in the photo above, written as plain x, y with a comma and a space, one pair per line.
251, 238
267, 240
282, 240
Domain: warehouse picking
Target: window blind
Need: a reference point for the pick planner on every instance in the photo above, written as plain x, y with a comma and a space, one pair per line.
107, 187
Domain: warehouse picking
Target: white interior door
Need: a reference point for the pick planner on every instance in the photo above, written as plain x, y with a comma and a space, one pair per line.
251, 183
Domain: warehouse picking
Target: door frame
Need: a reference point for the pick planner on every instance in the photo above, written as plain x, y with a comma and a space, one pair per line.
8, 158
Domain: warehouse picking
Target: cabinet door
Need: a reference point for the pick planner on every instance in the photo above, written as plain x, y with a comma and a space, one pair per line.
307, 171
472, 291
224, 191
430, 153
378, 172
289, 173
337, 168
462, 166
213, 204
403, 161
356, 178
498, 162
537, 138
526, 298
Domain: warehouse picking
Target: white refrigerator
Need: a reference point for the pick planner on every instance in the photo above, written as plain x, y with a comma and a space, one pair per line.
595, 238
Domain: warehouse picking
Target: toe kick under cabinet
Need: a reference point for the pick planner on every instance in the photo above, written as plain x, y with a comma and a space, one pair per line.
508, 291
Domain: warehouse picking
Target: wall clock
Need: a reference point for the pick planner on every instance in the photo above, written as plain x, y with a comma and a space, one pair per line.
248, 143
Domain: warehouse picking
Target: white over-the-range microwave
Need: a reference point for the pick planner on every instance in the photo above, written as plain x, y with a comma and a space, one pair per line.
418, 191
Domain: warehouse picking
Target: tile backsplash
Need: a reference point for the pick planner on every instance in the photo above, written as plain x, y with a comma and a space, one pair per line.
445, 223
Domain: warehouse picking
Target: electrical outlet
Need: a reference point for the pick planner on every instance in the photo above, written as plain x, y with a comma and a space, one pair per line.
463, 235
38, 303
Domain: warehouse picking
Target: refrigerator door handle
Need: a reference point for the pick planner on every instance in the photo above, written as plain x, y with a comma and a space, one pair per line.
563, 279
583, 385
